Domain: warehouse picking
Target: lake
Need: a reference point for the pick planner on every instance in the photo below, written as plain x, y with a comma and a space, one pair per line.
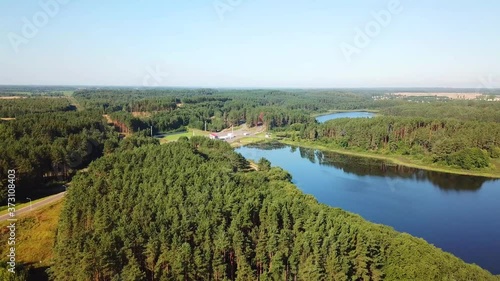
459, 214
351, 114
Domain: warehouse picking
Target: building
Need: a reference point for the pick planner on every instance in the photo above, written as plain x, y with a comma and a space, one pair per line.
213, 136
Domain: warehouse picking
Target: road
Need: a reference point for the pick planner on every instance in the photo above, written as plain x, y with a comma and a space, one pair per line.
44, 202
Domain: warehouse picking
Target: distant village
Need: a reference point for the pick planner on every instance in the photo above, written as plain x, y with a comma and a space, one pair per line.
420, 97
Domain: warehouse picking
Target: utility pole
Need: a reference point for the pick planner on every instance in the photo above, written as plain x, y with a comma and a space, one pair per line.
151, 131
31, 208
205, 125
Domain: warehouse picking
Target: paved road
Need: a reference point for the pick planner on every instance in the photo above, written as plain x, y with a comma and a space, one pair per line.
44, 202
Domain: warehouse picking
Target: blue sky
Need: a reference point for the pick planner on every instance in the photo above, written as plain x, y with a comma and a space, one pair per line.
251, 43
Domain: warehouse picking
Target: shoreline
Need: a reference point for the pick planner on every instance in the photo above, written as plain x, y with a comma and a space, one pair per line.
394, 160
316, 115
388, 158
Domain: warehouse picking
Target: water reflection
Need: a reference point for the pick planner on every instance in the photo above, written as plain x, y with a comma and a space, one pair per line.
355, 114
362, 166
458, 214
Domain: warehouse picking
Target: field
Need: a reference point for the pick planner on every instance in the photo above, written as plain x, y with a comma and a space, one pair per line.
35, 236
461, 96
11, 98
175, 136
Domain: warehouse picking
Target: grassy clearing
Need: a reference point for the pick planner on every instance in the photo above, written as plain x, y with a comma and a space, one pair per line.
72, 99
189, 133
35, 236
68, 93
250, 139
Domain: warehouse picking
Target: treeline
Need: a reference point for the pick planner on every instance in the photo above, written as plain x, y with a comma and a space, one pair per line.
12, 108
204, 114
472, 110
191, 210
46, 146
462, 144
189, 108
49, 147
35, 90
110, 100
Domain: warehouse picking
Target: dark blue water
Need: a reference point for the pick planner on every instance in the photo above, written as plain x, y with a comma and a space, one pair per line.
357, 114
459, 214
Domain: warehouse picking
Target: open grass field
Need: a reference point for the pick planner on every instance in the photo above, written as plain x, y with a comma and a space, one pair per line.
176, 136
35, 236
11, 98
259, 137
453, 96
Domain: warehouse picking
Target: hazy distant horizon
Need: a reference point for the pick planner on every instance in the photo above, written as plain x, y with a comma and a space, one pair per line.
398, 89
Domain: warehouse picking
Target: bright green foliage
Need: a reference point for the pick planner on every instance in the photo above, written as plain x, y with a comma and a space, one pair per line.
47, 146
172, 110
462, 110
464, 144
21, 106
469, 158
191, 210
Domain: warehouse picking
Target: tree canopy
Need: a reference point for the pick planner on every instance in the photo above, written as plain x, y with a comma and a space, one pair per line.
193, 210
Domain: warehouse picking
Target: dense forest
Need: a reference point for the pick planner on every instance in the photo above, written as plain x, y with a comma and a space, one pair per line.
110, 100
463, 144
50, 146
195, 211
174, 110
471, 110
12, 108
48, 135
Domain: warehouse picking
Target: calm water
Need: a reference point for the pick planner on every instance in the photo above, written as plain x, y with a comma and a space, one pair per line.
459, 214
358, 114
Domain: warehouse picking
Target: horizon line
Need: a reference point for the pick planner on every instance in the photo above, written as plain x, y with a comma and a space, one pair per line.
246, 87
